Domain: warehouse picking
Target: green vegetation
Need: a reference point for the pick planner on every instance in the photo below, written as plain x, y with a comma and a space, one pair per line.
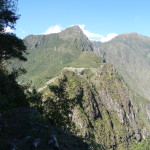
90, 101
143, 145
101, 102
58, 109
87, 60
11, 94
10, 45
49, 54
20, 124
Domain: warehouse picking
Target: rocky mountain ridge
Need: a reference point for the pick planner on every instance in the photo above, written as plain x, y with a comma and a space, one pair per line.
104, 109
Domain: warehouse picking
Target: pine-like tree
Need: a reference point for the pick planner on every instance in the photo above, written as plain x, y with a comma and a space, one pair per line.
11, 94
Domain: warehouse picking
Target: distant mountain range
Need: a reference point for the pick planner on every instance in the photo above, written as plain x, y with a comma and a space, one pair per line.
105, 87
48, 54
130, 54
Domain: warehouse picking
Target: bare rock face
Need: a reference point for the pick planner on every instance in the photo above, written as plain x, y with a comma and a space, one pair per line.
76, 35
103, 109
70, 32
34, 41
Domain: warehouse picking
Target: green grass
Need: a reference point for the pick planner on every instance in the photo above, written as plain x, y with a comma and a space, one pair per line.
86, 60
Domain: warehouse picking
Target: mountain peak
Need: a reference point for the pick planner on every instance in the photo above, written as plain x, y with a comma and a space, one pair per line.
76, 27
133, 35
73, 31
129, 34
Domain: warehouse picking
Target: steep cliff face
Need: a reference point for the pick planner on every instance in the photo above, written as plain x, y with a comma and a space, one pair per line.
101, 106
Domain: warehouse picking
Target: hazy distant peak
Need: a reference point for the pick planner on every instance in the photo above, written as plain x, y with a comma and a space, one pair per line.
133, 35
128, 34
131, 38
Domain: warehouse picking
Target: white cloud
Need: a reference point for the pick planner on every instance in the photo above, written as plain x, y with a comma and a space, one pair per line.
97, 37
88, 33
53, 29
8, 30
108, 37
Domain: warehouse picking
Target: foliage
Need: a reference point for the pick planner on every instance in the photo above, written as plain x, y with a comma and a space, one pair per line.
11, 94
58, 109
95, 115
8, 16
35, 99
10, 45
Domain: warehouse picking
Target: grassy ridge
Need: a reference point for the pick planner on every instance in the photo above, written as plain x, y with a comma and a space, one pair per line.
87, 59
102, 107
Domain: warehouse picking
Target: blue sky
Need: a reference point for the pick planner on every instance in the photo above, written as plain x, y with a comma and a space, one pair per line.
100, 17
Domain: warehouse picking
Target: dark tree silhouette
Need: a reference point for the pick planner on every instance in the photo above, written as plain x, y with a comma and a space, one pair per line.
8, 16
10, 45
11, 93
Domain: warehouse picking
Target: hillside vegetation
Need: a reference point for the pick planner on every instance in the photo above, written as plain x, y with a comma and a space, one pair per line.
49, 54
97, 105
